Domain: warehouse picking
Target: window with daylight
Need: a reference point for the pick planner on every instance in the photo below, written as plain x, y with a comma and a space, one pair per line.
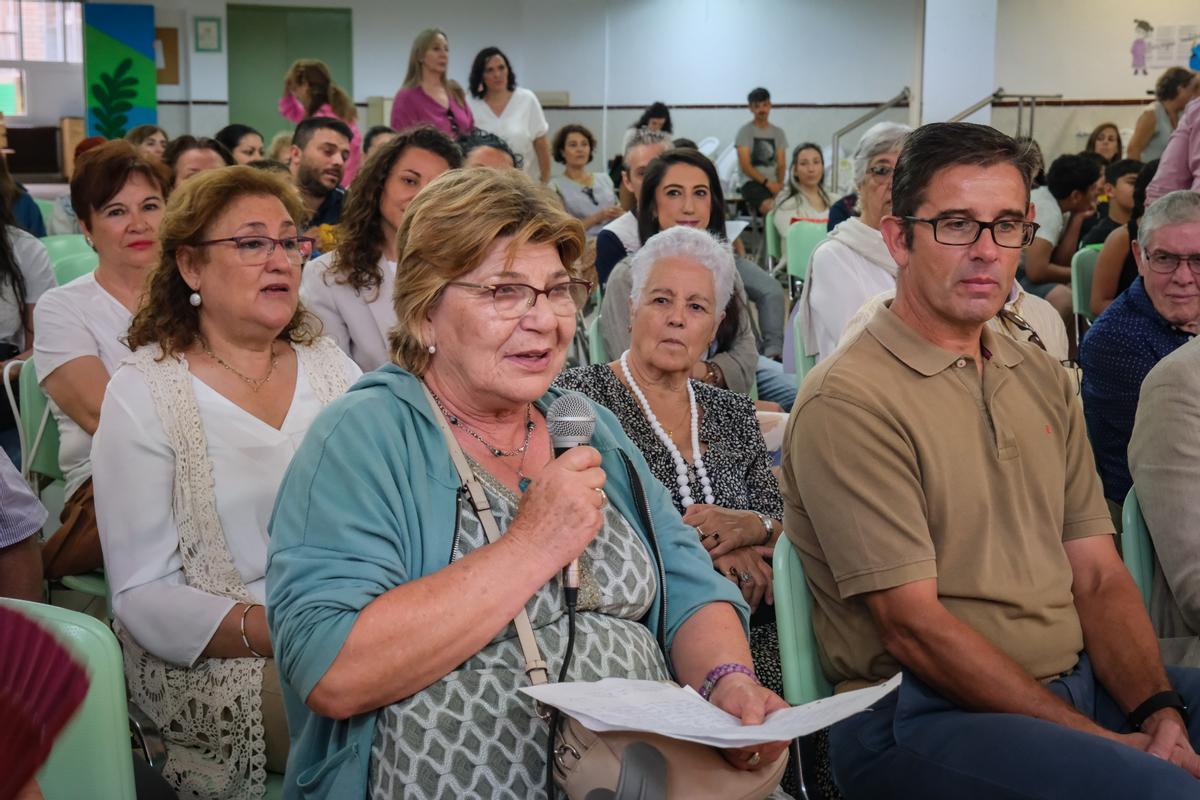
41, 30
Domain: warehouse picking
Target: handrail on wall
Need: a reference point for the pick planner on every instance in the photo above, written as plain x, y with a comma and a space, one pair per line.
870, 115
1022, 99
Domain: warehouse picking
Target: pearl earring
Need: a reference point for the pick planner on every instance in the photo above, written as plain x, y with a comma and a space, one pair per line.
195, 299
432, 349
89, 242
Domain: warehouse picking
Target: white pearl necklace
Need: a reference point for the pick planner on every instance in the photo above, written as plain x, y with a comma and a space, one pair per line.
681, 470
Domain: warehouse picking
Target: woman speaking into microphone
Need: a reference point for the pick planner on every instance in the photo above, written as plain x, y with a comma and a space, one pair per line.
392, 614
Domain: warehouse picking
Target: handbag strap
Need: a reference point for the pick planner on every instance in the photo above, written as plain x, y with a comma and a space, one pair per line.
535, 667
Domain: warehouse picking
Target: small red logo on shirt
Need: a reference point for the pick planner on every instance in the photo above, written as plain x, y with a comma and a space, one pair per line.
1049, 430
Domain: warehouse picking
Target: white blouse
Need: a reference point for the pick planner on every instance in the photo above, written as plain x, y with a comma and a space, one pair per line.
134, 472
72, 321
521, 121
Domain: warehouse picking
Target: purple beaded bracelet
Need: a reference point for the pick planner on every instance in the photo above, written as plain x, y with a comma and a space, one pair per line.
720, 671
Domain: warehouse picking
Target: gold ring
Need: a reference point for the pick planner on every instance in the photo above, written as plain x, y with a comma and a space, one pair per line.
603, 497
755, 757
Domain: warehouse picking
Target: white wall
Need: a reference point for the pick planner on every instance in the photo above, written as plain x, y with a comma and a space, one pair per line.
959, 58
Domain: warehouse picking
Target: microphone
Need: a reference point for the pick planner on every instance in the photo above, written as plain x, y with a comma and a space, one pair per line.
571, 421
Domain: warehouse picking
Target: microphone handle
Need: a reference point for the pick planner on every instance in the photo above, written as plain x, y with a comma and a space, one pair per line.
570, 575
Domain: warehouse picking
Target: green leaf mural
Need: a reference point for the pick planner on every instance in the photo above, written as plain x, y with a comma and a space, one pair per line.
112, 94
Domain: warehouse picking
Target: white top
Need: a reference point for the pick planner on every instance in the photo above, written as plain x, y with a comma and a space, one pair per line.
519, 124
625, 228
34, 263
850, 266
358, 323
72, 321
1047, 215
134, 482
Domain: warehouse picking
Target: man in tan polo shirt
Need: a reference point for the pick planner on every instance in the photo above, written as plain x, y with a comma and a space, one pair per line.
944, 501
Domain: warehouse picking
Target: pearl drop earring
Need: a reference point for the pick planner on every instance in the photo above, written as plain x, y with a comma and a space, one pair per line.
195, 299
432, 349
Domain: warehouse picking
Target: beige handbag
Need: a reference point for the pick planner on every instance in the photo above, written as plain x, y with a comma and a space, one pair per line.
585, 759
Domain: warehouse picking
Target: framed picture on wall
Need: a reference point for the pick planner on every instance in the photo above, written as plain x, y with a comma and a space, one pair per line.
208, 34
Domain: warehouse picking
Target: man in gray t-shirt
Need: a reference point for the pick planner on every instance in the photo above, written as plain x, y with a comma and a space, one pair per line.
762, 154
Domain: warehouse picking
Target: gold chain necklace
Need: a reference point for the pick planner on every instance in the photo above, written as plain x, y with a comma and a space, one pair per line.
254, 383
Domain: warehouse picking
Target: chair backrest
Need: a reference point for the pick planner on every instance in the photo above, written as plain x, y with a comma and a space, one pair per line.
802, 239
804, 362
1136, 547
69, 267
42, 460
47, 209
67, 244
774, 242
727, 171
1083, 264
596, 352
92, 757
803, 678
708, 145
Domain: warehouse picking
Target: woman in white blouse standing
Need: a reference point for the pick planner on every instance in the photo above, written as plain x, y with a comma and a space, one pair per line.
198, 426
350, 287
511, 112
118, 197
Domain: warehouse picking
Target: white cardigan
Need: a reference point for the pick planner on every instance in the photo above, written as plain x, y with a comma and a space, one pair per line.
358, 323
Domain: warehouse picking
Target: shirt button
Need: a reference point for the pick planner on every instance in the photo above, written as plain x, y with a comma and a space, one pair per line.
962, 362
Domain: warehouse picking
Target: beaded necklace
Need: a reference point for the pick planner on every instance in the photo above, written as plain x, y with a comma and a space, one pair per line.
681, 469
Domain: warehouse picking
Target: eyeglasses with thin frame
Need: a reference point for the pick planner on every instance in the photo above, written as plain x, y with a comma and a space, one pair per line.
513, 300
1165, 263
964, 231
254, 251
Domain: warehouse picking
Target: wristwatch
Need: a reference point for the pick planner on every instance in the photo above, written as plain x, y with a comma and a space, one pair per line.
1155, 703
768, 525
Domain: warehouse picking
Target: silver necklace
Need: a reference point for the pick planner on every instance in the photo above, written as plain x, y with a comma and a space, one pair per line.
453, 419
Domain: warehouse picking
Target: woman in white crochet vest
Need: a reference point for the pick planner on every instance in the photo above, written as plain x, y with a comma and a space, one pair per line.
198, 425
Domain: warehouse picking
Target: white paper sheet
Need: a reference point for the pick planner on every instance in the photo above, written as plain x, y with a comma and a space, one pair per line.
619, 704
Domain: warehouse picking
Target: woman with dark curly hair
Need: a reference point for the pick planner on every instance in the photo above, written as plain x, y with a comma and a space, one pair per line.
350, 287
588, 196
197, 428
511, 112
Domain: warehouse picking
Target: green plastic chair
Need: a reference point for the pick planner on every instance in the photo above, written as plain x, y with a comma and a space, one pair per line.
802, 239
67, 244
47, 209
68, 268
1083, 265
1136, 547
92, 756
803, 679
804, 362
596, 351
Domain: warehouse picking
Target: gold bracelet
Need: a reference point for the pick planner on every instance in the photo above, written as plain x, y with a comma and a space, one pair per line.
246, 639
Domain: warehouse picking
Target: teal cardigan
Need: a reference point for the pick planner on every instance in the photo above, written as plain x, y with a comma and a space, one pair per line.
368, 503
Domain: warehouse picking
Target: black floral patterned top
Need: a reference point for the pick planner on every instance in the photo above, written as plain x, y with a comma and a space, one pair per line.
736, 458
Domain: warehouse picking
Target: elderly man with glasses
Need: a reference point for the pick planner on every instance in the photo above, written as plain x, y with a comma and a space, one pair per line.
1158, 313
945, 505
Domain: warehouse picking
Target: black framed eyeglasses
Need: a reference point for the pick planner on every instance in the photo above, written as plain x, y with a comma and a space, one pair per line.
1165, 263
254, 251
513, 300
1017, 321
964, 231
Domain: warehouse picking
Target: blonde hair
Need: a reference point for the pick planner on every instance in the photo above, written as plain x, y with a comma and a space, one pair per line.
166, 317
448, 230
420, 46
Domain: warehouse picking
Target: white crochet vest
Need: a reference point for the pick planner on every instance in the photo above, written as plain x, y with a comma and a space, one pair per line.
210, 714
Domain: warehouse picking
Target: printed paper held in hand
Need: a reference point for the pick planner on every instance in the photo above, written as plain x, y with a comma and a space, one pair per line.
619, 704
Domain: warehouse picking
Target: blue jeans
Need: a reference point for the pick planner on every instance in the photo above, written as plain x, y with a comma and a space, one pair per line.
774, 384
769, 301
915, 743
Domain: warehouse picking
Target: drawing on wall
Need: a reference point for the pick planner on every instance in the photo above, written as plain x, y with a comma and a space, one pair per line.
120, 71
1162, 46
1141, 31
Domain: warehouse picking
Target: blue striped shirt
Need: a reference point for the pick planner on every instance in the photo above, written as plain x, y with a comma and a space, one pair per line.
21, 514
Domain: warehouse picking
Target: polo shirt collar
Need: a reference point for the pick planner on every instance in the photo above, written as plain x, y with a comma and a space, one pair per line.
927, 358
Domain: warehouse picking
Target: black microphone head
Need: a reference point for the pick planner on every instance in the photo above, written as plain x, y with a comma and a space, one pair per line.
571, 421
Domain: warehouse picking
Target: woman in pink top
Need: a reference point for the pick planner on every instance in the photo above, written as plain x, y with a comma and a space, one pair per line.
309, 91
427, 96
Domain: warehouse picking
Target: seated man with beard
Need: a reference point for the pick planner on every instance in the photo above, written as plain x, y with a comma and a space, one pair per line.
320, 147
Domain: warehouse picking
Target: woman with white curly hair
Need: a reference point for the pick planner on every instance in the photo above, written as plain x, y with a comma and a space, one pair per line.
701, 441
852, 264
